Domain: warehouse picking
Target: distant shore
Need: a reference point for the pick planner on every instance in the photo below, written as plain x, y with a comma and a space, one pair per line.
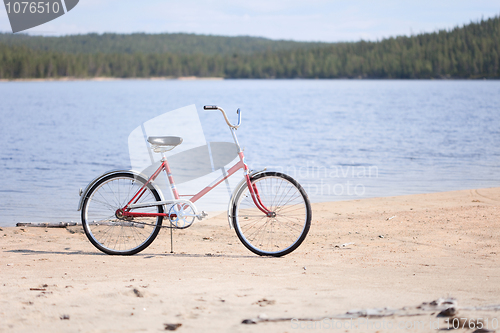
200, 78
102, 78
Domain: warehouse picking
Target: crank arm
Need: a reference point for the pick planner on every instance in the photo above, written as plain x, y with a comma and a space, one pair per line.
200, 216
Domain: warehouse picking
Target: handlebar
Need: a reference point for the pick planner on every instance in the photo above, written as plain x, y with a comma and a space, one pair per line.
215, 107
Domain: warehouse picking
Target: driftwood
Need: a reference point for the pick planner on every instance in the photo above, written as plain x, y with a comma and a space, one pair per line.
46, 224
72, 224
441, 304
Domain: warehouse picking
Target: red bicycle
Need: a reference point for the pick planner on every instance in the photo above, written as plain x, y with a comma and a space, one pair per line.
123, 211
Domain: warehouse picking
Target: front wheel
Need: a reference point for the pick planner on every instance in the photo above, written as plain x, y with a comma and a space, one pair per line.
278, 235
111, 233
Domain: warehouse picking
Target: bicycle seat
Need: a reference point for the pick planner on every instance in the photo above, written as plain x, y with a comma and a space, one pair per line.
165, 141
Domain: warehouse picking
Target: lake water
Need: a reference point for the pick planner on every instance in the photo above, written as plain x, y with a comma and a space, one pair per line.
342, 139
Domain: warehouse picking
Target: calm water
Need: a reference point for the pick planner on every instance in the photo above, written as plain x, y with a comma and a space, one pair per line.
341, 139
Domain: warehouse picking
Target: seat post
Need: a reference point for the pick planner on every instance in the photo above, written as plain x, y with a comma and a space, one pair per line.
162, 144
174, 191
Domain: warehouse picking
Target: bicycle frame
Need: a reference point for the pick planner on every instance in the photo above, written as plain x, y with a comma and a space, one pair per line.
125, 211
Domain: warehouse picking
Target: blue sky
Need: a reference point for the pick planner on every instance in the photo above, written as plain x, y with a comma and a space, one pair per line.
312, 20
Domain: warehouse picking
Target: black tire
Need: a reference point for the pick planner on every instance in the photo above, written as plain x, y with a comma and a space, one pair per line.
272, 236
119, 236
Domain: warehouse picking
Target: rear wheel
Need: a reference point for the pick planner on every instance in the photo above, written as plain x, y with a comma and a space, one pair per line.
120, 235
282, 233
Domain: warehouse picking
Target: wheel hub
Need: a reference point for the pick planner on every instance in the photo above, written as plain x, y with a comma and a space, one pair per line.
119, 213
121, 216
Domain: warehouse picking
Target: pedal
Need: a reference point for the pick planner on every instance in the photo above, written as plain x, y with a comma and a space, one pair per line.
202, 215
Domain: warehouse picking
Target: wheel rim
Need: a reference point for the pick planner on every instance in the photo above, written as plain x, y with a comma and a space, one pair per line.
113, 233
272, 235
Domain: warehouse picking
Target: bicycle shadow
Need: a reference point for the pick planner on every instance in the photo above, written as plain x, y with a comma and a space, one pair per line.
33, 252
144, 255
207, 255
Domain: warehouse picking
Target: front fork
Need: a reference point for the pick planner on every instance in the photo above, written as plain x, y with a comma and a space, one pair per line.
251, 187
254, 192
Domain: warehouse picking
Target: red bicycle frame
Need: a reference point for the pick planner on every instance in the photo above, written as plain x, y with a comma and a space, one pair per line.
125, 211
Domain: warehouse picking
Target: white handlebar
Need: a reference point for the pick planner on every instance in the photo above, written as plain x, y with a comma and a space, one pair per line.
214, 107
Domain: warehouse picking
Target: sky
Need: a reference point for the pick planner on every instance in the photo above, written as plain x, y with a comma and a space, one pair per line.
311, 20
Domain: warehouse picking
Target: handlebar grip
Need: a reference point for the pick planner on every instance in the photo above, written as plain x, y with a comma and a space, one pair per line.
210, 107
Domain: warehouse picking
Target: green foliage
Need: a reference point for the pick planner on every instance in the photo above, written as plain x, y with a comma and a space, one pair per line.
471, 51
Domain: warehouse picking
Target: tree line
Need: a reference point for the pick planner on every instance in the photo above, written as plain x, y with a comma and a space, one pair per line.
471, 51
178, 43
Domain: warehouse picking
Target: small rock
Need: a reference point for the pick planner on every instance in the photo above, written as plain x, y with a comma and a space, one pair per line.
450, 312
263, 316
64, 317
265, 302
381, 236
248, 321
172, 327
137, 292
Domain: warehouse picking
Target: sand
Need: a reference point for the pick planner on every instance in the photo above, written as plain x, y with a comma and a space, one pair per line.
404, 251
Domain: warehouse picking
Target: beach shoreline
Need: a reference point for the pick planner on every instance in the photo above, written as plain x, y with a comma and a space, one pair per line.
360, 256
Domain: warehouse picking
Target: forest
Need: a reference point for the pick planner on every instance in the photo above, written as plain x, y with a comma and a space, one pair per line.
468, 52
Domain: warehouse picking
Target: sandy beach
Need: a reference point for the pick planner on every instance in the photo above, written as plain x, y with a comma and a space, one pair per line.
378, 259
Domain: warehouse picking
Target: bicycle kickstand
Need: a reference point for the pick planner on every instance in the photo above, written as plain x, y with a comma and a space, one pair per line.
171, 240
